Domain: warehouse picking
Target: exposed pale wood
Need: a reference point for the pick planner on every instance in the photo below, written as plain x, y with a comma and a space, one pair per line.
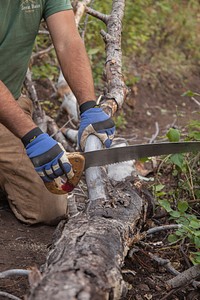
94, 176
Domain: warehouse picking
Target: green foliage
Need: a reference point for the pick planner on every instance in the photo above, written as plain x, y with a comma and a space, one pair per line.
46, 65
194, 125
189, 227
45, 70
173, 135
190, 94
163, 34
175, 200
194, 130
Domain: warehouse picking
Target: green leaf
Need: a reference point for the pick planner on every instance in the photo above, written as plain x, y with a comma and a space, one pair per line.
175, 214
173, 135
178, 160
195, 135
188, 93
183, 220
197, 241
195, 224
172, 238
195, 257
179, 232
182, 206
159, 187
165, 204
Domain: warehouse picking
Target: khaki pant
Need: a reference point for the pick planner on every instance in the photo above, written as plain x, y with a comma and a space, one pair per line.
28, 197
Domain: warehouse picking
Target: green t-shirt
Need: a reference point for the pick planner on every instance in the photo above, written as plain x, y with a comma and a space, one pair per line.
19, 24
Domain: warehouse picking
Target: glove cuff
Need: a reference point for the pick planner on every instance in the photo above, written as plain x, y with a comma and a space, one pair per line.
31, 135
87, 105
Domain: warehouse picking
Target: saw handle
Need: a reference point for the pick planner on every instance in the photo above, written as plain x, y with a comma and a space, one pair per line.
59, 186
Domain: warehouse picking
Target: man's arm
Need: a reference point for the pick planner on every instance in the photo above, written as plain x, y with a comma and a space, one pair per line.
11, 115
76, 69
72, 55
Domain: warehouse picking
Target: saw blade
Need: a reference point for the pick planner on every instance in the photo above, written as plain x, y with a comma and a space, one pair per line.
120, 154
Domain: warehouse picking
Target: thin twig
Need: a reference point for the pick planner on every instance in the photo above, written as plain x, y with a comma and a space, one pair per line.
165, 263
86, 22
42, 52
103, 17
196, 101
9, 296
164, 227
14, 272
154, 136
59, 130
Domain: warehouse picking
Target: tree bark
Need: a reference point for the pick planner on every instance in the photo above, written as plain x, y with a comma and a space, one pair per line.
86, 258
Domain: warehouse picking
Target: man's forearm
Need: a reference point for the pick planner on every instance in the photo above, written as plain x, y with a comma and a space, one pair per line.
72, 55
77, 71
11, 115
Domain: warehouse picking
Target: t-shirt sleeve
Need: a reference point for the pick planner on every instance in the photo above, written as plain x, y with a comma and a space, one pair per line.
54, 6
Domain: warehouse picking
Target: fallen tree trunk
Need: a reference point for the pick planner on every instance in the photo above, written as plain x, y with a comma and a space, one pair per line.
86, 258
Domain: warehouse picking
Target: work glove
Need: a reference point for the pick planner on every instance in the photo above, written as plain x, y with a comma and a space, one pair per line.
48, 157
95, 121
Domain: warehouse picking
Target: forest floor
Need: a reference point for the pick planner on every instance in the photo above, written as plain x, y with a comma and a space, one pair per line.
147, 108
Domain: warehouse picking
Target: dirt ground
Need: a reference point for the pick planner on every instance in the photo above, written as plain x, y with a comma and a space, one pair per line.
23, 247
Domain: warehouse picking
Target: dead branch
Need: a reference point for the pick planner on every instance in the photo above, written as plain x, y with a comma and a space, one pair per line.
161, 228
115, 91
39, 115
115, 86
183, 278
9, 296
154, 136
165, 263
14, 272
42, 52
103, 17
80, 9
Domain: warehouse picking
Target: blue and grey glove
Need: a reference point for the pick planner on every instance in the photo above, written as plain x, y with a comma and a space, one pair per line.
48, 157
95, 121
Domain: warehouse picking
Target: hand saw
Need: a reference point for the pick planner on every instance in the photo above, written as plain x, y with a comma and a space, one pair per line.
81, 161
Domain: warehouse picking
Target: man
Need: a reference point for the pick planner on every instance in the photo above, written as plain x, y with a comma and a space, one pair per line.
23, 145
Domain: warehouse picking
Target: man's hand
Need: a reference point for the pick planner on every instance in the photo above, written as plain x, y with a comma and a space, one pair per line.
96, 121
48, 157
